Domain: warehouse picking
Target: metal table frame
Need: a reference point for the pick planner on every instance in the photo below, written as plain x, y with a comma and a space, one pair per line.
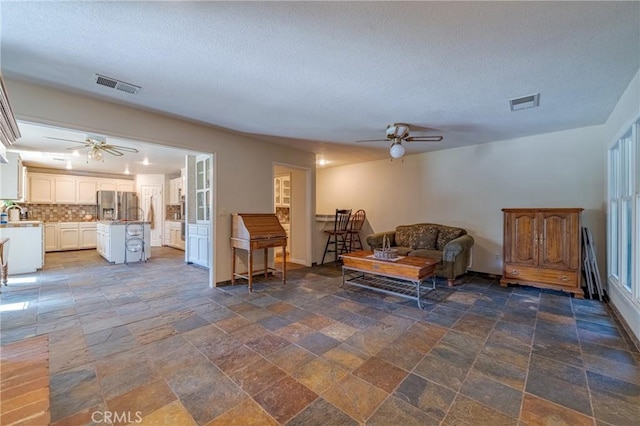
388, 284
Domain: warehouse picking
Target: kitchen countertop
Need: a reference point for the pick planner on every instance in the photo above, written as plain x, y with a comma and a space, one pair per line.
21, 224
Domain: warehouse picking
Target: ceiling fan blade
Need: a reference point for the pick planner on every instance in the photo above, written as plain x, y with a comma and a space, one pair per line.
78, 148
68, 140
375, 140
112, 151
423, 139
121, 148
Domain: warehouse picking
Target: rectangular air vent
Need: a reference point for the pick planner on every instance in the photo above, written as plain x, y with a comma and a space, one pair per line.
117, 84
524, 102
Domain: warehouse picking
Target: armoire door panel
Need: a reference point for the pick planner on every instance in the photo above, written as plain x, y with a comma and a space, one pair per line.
555, 246
522, 247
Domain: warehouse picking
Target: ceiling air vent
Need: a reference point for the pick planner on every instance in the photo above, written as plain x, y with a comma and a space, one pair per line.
524, 102
116, 84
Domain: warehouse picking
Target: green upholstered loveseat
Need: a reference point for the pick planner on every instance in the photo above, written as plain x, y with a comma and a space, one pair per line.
451, 245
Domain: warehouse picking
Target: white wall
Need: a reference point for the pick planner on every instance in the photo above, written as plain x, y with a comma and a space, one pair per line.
468, 187
244, 168
626, 112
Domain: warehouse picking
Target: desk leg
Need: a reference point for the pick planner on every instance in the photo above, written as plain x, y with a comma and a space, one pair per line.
284, 264
233, 266
266, 257
250, 271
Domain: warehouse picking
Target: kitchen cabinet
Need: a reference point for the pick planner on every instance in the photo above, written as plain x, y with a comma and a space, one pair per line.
68, 236
173, 235
87, 235
26, 242
111, 238
542, 248
198, 238
63, 236
12, 178
203, 188
175, 190
51, 237
86, 190
42, 188
282, 190
68, 189
65, 190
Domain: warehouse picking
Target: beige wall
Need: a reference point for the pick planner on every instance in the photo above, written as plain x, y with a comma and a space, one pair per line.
244, 166
468, 186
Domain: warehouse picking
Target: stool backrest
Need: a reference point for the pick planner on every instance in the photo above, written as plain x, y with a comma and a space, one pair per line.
342, 220
357, 220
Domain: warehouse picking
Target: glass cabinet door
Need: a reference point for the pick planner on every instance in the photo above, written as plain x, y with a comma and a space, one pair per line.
203, 189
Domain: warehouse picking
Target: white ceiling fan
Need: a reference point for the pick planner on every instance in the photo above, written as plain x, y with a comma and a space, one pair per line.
399, 132
96, 146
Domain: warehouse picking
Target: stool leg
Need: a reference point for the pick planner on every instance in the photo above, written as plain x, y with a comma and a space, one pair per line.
326, 247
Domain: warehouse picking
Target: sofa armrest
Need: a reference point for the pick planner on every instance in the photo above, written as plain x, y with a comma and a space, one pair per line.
375, 240
456, 247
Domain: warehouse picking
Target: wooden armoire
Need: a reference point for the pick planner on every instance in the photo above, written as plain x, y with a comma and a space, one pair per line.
542, 248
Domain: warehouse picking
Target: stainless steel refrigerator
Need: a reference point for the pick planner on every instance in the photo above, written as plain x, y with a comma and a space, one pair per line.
117, 205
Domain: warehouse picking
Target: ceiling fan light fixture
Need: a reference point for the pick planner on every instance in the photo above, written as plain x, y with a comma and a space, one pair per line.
397, 150
94, 154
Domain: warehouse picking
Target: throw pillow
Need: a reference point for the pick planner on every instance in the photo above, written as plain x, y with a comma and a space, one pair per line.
403, 236
447, 234
424, 236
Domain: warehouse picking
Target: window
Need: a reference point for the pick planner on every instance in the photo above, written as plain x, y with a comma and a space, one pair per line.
623, 219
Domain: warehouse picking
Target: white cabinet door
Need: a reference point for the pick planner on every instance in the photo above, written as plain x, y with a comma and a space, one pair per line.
166, 236
126, 185
106, 185
41, 189
50, 237
88, 235
65, 192
11, 178
69, 237
86, 190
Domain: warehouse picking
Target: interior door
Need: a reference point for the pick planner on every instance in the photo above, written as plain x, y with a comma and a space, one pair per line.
152, 206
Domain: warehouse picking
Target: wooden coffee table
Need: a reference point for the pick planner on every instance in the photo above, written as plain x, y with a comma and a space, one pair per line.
402, 277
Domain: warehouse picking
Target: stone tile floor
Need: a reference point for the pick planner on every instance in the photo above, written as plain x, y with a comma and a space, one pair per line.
151, 343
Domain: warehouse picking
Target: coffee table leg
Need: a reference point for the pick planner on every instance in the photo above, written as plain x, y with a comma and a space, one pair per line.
418, 294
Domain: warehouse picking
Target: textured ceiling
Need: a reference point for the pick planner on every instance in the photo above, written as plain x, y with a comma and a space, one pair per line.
321, 75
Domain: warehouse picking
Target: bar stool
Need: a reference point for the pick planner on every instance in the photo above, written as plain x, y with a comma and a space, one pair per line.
338, 236
353, 232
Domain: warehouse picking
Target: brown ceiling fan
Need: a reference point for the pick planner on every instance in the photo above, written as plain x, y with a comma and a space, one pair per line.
97, 146
398, 133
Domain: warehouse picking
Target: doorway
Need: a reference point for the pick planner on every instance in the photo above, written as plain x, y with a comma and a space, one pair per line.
292, 205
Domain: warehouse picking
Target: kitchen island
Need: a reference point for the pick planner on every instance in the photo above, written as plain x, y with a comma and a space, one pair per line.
120, 241
26, 245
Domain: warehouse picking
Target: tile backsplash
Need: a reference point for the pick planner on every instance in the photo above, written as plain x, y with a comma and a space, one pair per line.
59, 212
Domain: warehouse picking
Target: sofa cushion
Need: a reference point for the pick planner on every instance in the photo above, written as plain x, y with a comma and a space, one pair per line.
446, 234
403, 251
433, 254
418, 236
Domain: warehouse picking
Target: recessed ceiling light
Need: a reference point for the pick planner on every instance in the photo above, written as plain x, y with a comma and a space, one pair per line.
75, 153
322, 162
145, 161
524, 102
69, 165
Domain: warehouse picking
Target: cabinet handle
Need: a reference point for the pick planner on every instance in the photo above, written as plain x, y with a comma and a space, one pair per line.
564, 278
515, 272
